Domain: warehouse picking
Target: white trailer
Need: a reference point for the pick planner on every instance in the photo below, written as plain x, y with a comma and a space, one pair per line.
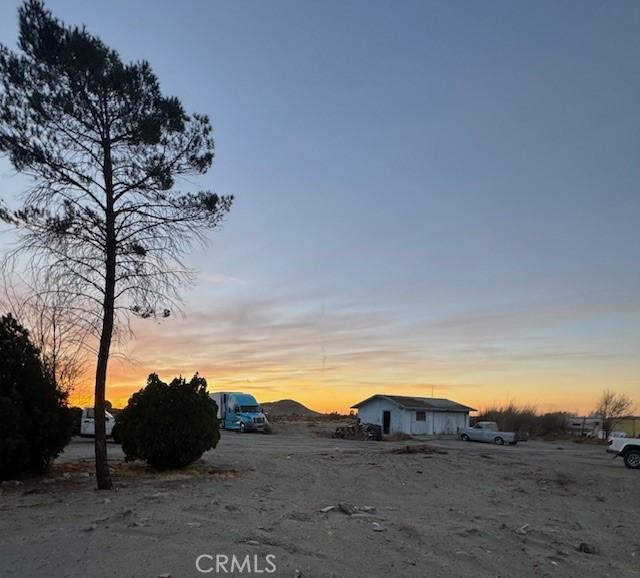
220, 397
88, 422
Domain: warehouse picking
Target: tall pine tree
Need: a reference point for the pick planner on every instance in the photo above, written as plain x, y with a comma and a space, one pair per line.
106, 151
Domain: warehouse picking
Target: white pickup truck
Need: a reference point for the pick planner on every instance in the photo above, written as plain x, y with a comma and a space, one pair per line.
628, 449
487, 431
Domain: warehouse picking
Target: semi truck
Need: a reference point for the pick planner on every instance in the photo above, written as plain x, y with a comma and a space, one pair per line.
239, 411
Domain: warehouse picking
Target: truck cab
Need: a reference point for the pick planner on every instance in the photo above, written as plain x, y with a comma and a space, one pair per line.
239, 412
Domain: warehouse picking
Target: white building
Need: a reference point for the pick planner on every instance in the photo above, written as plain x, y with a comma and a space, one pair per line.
413, 415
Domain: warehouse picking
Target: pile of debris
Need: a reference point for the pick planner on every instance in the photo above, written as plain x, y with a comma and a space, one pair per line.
360, 431
418, 449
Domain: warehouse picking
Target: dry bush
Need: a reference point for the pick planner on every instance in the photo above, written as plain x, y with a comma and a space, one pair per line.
525, 418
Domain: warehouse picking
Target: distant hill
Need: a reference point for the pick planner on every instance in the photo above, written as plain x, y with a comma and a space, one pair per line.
287, 407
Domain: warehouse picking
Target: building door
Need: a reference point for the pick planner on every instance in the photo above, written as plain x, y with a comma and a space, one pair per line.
386, 421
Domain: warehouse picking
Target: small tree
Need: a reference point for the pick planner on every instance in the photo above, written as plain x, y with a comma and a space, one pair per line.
35, 423
169, 425
611, 408
105, 148
54, 328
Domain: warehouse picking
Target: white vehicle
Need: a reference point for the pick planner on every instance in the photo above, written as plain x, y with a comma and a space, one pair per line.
613, 434
487, 431
628, 449
88, 422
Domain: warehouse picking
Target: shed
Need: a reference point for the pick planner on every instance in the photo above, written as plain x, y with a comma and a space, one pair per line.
413, 415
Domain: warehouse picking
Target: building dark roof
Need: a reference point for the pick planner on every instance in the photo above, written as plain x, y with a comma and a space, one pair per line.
419, 403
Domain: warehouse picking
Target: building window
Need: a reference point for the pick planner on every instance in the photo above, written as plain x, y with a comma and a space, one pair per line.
421, 416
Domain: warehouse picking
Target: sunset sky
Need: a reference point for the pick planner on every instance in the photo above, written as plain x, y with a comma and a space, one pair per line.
431, 197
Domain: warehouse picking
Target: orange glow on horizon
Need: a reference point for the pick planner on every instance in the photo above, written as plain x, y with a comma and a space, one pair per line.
330, 365
318, 396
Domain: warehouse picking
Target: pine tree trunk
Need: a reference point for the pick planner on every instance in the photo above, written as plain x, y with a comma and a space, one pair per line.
103, 476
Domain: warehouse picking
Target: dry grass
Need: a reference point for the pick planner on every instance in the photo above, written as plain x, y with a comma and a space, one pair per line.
80, 474
143, 472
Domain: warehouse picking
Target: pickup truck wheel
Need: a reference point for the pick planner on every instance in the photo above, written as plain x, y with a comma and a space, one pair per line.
632, 459
498, 441
464, 437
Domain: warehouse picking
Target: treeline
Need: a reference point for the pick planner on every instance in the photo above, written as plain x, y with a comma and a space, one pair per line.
525, 418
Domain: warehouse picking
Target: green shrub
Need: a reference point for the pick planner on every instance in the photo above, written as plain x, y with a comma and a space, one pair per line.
169, 425
35, 423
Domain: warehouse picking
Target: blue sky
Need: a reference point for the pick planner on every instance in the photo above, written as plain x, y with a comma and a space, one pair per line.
427, 193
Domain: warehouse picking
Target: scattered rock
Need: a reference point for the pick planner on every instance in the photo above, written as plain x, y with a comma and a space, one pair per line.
348, 509
367, 515
522, 530
300, 516
587, 548
159, 494
252, 542
90, 528
11, 483
377, 527
168, 575
106, 501
31, 491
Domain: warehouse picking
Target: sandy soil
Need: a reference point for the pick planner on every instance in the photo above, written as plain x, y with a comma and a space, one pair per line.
464, 509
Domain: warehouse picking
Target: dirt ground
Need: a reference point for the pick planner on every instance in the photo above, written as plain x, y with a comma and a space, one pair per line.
448, 508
